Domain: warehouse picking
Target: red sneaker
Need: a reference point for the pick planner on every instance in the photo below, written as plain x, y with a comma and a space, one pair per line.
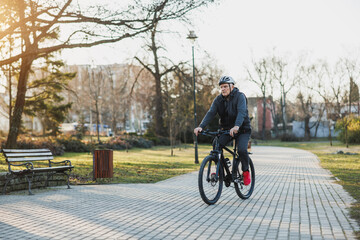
247, 179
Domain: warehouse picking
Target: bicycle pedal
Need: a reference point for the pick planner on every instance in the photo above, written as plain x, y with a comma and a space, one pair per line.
237, 180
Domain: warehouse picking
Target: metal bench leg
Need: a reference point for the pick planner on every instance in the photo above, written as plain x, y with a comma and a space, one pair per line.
68, 180
32, 177
8, 179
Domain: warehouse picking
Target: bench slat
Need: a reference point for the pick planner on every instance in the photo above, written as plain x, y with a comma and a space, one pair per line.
28, 154
52, 169
24, 150
45, 169
29, 159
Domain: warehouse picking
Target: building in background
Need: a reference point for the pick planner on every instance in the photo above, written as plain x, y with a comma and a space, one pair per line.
255, 108
121, 92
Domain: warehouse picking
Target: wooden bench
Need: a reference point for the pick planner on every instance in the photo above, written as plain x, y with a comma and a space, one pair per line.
26, 158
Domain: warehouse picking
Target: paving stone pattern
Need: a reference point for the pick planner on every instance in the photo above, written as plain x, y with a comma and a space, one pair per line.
294, 198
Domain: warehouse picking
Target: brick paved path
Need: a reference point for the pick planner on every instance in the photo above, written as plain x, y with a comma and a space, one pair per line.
294, 199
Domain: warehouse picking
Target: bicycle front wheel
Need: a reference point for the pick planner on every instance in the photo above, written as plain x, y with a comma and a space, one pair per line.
210, 185
242, 190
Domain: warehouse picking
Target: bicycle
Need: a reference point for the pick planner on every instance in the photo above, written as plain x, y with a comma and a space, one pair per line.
215, 169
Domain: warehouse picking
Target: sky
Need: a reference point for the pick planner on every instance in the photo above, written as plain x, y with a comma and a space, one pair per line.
235, 31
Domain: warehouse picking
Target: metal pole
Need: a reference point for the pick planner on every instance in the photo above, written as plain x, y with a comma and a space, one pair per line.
10, 96
195, 122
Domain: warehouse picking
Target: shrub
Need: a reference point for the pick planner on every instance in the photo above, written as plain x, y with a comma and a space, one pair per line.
258, 135
72, 144
139, 142
117, 144
289, 137
353, 129
30, 143
123, 142
157, 140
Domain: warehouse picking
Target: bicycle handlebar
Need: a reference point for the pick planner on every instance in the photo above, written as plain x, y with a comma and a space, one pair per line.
219, 132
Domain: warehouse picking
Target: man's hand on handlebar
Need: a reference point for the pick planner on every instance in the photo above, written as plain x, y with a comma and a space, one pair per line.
197, 130
234, 131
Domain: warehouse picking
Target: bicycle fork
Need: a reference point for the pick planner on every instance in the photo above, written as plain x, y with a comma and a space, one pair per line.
217, 176
214, 176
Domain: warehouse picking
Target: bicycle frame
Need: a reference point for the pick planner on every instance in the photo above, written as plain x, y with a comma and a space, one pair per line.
218, 153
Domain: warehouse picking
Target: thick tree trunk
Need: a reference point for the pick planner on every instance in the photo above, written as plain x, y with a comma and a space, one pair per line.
307, 128
159, 121
43, 124
19, 104
317, 128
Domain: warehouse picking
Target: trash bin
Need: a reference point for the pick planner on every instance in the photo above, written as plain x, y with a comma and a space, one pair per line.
103, 164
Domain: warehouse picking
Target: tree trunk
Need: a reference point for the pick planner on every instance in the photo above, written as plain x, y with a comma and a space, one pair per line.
316, 128
346, 134
171, 138
283, 110
185, 138
275, 119
113, 125
307, 136
44, 127
97, 121
330, 137
264, 119
350, 95
113, 107
159, 122
19, 104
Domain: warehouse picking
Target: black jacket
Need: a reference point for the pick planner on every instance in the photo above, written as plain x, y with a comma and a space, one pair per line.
232, 111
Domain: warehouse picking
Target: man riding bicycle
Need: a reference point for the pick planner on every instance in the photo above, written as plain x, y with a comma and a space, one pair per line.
231, 106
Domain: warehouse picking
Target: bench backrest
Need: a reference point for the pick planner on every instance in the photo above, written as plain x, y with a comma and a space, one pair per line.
27, 155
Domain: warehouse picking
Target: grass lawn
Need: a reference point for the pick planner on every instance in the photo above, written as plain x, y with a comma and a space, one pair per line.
344, 167
135, 166
138, 165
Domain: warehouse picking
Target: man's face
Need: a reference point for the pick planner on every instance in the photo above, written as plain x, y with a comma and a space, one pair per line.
226, 89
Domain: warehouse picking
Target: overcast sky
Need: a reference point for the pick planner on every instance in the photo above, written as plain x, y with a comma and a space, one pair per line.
235, 30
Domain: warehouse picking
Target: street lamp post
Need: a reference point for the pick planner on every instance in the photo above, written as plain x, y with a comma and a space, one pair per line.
192, 36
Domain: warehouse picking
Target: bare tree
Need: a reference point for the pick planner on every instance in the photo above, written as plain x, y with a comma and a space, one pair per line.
305, 97
117, 90
96, 87
259, 74
350, 67
327, 86
285, 74
160, 66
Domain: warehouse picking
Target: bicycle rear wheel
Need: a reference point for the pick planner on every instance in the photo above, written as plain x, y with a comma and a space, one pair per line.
242, 190
210, 187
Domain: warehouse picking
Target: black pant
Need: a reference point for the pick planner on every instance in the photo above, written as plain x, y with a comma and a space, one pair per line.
242, 140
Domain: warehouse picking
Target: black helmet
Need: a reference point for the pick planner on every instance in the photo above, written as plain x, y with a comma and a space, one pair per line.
226, 79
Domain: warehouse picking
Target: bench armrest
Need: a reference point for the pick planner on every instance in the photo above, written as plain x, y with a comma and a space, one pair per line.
28, 165
67, 162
